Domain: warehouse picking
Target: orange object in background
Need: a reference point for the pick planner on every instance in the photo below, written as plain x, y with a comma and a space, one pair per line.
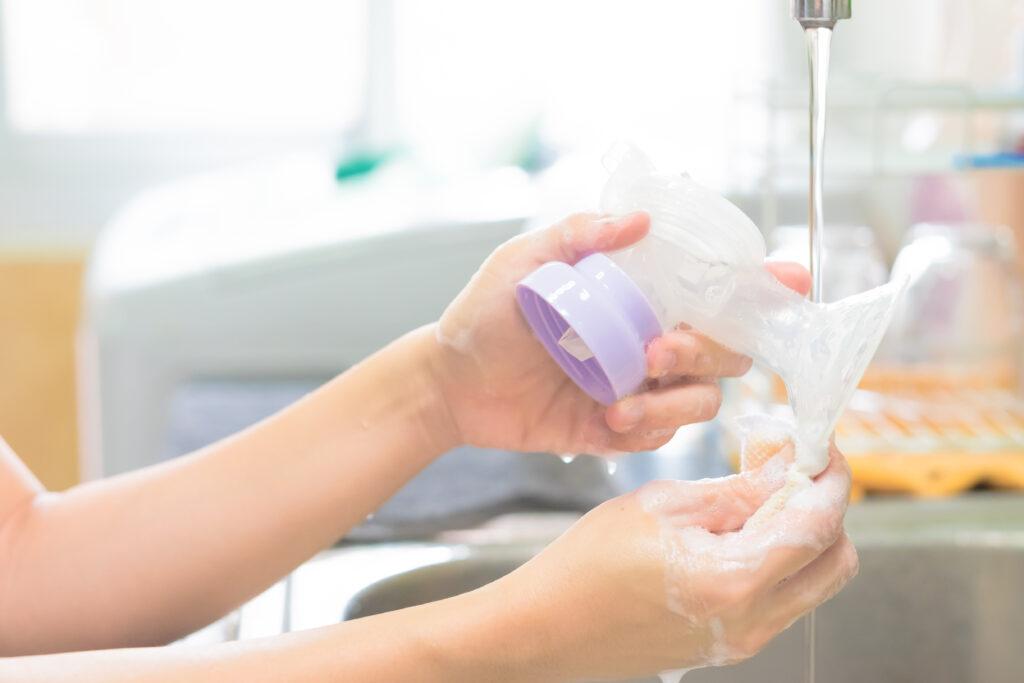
935, 431
39, 305
932, 431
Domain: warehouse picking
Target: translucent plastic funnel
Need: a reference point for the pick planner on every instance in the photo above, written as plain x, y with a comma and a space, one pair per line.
702, 265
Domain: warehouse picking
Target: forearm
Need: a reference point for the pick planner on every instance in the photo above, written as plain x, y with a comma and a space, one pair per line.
480, 636
149, 556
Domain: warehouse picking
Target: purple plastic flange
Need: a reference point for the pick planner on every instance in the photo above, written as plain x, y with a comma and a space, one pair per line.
606, 309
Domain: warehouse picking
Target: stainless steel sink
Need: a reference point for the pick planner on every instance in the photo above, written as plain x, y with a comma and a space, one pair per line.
940, 597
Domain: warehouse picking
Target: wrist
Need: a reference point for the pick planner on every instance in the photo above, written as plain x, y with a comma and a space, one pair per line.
493, 633
434, 414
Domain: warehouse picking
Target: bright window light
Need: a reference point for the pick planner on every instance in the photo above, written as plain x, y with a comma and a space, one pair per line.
475, 76
97, 66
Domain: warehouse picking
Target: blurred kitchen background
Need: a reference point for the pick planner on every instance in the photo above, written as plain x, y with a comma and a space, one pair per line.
207, 208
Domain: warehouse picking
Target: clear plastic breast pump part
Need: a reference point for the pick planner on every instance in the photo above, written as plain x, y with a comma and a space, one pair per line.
703, 265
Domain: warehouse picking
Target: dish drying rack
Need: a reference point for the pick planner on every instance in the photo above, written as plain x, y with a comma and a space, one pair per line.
870, 132
930, 435
924, 432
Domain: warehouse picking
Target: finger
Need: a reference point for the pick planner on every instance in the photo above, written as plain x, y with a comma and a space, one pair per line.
719, 505
799, 522
597, 438
633, 442
814, 584
583, 234
793, 275
689, 353
665, 408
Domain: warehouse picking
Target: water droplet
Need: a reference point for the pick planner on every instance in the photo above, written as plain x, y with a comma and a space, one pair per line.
567, 458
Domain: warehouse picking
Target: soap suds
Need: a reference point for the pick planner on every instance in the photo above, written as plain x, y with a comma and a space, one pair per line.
718, 653
461, 340
701, 564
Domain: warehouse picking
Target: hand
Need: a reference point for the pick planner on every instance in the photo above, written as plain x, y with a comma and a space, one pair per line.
687, 574
502, 389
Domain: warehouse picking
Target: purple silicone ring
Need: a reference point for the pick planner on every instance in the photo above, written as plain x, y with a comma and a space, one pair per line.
602, 305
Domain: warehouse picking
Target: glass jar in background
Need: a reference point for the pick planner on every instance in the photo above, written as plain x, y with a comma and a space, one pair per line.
958, 325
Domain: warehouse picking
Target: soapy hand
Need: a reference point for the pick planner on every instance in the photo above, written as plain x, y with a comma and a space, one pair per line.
503, 390
682, 574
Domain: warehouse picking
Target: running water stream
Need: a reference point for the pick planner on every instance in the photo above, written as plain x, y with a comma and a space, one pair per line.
819, 41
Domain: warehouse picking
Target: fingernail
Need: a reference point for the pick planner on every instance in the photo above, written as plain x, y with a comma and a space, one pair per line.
664, 361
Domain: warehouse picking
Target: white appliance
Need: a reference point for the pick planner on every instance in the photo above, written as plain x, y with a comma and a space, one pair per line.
273, 276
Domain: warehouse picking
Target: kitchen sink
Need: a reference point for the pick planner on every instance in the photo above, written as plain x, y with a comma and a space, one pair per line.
940, 596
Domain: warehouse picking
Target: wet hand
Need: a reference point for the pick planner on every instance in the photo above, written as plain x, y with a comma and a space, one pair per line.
687, 574
501, 389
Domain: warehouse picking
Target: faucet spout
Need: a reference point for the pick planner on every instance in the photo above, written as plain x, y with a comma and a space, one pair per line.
820, 13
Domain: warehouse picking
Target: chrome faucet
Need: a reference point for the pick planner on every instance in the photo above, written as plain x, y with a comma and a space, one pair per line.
820, 13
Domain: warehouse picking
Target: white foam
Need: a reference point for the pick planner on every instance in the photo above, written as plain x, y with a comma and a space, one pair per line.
461, 340
719, 652
696, 558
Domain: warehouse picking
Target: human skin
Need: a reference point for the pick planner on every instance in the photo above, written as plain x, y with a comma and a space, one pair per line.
144, 558
595, 604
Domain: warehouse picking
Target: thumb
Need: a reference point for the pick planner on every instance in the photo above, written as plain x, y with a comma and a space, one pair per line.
585, 233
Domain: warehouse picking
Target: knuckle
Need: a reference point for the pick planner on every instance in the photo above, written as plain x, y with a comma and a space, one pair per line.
575, 222
581, 217
710, 402
686, 349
